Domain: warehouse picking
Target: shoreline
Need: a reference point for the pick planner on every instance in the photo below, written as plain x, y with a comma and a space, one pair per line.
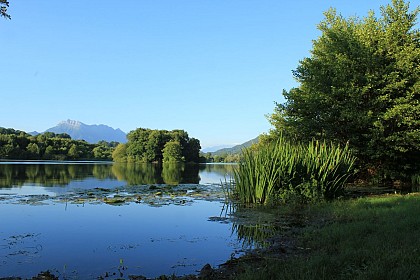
285, 245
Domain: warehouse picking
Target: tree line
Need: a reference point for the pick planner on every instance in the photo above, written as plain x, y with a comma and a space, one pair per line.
222, 158
16, 144
144, 145
148, 145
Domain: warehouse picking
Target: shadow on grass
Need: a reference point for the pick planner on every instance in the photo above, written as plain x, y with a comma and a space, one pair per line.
366, 238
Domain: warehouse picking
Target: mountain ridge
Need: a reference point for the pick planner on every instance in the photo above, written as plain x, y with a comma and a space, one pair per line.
213, 149
90, 133
235, 149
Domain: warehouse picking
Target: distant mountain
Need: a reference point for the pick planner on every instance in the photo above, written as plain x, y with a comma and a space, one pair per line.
90, 133
215, 148
235, 149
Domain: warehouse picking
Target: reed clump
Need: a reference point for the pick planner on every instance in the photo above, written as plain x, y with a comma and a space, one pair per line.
285, 170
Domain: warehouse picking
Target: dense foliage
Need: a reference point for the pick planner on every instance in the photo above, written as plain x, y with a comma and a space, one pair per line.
15, 144
147, 145
284, 170
361, 85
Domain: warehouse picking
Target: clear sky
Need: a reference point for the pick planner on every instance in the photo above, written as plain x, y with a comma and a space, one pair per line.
211, 67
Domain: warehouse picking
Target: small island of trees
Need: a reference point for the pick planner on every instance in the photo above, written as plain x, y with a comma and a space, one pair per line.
147, 145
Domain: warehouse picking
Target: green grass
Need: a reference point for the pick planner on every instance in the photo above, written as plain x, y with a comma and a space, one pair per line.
365, 238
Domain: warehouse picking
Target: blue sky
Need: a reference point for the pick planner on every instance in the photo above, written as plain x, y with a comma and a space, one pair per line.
211, 67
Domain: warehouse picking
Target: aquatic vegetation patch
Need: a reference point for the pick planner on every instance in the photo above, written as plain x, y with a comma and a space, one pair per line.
115, 200
33, 199
153, 195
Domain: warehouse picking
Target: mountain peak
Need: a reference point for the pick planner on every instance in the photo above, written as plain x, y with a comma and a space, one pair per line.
71, 123
90, 133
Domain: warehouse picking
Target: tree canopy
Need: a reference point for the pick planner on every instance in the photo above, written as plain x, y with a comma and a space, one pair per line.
172, 152
361, 85
147, 145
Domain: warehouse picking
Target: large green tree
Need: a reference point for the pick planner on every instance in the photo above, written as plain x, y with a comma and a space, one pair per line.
361, 85
120, 153
191, 152
172, 152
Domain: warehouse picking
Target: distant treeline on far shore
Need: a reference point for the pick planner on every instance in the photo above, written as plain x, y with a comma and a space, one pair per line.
144, 145
16, 144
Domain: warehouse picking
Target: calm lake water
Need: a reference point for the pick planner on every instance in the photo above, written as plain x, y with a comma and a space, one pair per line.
86, 220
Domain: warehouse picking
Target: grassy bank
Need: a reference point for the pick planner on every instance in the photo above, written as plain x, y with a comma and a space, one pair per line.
366, 238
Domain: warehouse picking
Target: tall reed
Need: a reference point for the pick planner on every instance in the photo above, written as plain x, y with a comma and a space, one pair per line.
415, 183
284, 169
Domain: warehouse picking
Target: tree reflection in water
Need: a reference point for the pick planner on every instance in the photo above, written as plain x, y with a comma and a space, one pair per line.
48, 174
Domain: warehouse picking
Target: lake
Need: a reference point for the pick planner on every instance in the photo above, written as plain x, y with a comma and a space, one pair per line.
84, 220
